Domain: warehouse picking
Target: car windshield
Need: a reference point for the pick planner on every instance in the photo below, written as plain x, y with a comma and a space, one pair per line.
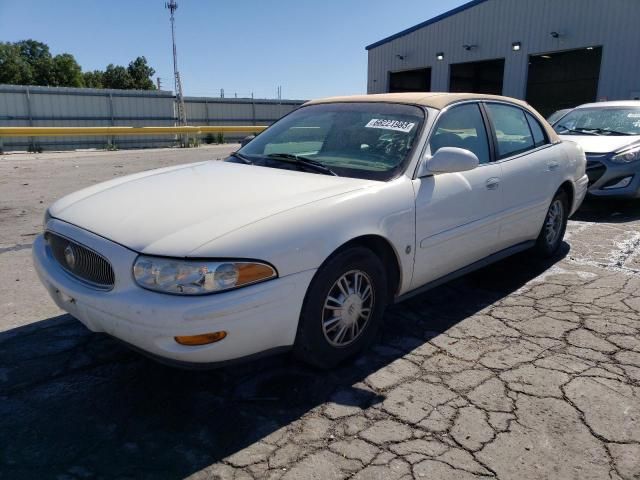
360, 140
600, 121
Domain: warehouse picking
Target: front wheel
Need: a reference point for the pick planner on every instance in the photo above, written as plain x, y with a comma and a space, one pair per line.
343, 308
555, 224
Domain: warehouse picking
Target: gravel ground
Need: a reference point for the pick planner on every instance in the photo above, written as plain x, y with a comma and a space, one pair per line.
522, 370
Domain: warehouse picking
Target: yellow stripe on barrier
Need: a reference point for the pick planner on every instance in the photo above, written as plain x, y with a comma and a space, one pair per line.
116, 131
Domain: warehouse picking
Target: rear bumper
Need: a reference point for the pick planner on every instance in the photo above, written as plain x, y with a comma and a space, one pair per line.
259, 318
580, 191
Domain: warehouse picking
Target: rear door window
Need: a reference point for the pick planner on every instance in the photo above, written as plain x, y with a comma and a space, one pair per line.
512, 129
539, 138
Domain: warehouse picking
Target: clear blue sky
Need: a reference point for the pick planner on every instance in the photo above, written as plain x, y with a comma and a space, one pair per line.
313, 48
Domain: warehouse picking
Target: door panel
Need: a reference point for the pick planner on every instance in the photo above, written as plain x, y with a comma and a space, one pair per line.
457, 220
528, 187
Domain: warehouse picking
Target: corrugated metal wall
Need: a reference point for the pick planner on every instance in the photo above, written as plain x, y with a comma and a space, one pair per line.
495, 24
236, 111
85, 107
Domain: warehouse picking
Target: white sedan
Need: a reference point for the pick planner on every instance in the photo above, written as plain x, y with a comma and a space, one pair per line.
303, 237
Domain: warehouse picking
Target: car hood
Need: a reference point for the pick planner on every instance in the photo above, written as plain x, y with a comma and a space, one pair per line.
601, 143
174, 211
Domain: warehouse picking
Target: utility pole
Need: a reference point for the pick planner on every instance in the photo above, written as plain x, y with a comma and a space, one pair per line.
159, 82
172, 6
279, 100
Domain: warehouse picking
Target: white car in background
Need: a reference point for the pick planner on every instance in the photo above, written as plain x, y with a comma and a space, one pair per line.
303, 237
609, 133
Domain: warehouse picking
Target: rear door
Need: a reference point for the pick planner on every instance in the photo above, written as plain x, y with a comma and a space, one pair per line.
457, 214
530, 164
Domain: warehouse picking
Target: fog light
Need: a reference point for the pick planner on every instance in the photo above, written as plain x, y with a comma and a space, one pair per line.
622, 183
203, 339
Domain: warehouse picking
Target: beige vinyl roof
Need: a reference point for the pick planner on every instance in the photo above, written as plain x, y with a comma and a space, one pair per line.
438, 100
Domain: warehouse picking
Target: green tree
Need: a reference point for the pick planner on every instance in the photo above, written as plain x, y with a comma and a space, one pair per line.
29, 62
38, 56
14, 70
141, 73
116, 76
93, 79
66, 72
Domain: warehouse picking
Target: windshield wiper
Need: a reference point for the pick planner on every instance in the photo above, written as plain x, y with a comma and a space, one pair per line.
614, 132
242, 157
581, 131
307, 162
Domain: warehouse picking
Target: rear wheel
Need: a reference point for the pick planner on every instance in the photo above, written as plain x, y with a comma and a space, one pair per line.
343, 308
555, 224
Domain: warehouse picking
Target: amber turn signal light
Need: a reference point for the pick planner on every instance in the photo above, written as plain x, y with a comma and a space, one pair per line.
203, 339
253, 272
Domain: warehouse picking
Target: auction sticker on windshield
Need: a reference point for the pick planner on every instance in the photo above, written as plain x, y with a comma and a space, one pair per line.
397, 125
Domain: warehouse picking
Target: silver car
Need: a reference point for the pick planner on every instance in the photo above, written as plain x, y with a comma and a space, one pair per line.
609, 133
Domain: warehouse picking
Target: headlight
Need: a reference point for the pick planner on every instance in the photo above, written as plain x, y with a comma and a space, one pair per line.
627, 156
197, 277
47, 217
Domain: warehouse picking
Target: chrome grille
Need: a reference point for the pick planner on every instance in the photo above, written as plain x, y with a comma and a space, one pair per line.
81, 262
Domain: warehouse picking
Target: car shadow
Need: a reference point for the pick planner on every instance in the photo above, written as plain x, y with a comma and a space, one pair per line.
608, 210
75, 404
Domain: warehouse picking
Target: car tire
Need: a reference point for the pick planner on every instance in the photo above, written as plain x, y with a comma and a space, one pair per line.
343, 309
555, 223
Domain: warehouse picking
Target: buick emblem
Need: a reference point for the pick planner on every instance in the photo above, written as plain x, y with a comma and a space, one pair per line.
70, 256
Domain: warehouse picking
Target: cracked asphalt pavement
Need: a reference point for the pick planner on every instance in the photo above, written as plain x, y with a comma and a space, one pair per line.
523, 370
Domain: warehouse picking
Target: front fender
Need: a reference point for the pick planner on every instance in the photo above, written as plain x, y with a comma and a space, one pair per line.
303, 238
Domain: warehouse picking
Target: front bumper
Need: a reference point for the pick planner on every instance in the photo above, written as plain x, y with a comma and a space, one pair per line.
257, 318
602, 173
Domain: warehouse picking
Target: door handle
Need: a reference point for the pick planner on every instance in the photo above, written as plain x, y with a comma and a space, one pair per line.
493, 183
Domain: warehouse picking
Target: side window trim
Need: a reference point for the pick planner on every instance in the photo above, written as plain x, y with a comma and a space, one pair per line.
533, 138
526, 152
529, 118
491, 133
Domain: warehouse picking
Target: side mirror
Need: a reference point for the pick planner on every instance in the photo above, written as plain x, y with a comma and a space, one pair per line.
246, 140
448, 160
